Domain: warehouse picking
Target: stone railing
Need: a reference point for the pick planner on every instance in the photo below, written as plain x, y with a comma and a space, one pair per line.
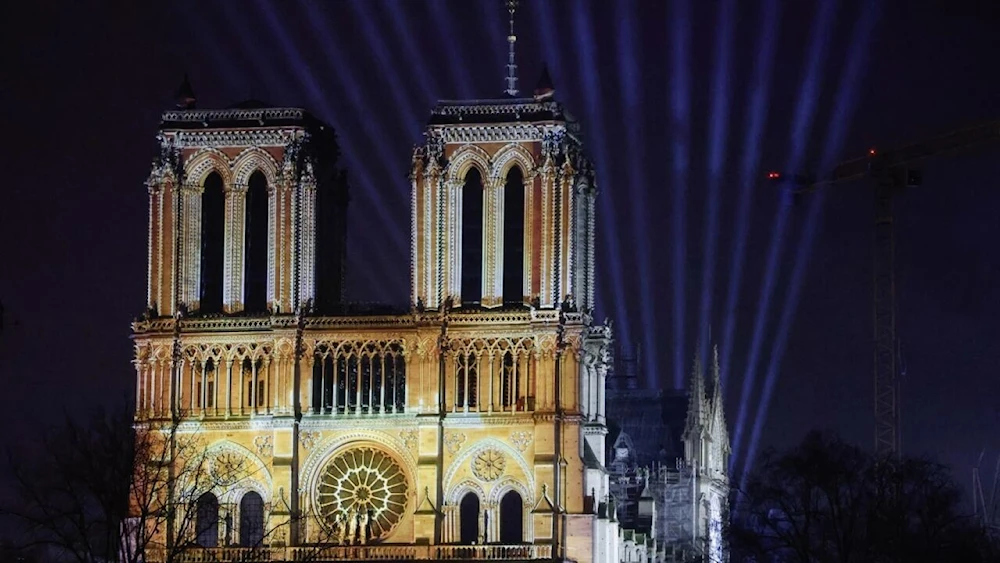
352, 553
491, 552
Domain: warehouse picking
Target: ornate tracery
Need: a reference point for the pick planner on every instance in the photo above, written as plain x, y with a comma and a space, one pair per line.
361, 495
490, 374
359, 377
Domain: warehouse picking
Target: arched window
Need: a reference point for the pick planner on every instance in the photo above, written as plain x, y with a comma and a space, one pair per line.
255, 245
210, 383
510, 387
468, 518
377, 375
213, 228
251, 520
513, 237
206, 522
472, 238
511, 518
466, 380
252, 370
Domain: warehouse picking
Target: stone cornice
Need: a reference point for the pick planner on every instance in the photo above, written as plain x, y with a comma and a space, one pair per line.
252, 114
219, 138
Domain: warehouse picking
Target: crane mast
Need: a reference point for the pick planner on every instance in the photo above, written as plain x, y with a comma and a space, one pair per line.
891, 172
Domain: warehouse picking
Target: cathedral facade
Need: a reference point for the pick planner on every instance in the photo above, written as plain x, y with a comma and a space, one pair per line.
298, 427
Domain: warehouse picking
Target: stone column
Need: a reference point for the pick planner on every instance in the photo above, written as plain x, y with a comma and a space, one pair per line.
229, 387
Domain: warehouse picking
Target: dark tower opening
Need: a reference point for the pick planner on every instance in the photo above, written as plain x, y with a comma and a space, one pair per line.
513, 237
213, 228
331, 236
255, 246
468, 518
511, 518
472, 238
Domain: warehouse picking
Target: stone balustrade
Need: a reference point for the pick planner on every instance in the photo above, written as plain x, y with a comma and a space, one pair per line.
353, 553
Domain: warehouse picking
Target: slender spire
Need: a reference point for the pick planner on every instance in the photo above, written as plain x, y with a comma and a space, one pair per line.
716, 374
696, 400
511, 39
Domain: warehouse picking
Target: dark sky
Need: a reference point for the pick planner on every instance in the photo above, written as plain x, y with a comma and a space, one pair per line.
83, 84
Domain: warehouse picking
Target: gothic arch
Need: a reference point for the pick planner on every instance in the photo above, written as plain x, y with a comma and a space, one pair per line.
257, 477
203, 163
512, 455
251, 160
513, 154
464, 159
504, 486
459, 491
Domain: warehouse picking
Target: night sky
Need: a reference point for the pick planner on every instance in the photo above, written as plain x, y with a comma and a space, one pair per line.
668, 94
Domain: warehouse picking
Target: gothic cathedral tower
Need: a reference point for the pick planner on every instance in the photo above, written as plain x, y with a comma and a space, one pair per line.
471, 426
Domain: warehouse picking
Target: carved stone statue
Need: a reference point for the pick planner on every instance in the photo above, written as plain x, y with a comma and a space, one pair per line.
352, 526
338, 528
363, 527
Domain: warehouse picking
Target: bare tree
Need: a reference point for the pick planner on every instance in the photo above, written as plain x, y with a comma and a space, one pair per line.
105, 488
828, 501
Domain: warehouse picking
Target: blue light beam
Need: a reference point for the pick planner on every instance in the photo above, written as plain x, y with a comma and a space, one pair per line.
801, 126
843, 111
680, 105
631, 98
719, 127
588, 70
316, 96
756, 120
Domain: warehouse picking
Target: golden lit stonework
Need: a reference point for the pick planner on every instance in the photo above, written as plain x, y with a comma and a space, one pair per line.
363, 482
489, 464
485, 393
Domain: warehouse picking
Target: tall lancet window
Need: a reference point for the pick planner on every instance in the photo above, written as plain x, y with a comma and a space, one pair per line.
472, 238
213, 228
513, 237
255, 245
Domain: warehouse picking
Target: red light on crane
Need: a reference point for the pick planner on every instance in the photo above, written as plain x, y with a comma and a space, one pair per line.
773, 175
871, 151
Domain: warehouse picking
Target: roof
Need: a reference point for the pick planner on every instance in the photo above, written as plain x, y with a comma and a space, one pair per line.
506, 110
590, 460
246, 114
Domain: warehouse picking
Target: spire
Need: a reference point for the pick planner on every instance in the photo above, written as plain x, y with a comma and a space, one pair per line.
697, 416
185, 95
511, 39
697, 398
716, 375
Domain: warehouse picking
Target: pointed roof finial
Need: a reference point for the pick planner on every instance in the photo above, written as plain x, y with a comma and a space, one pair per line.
544, 89
511, 39
185, 95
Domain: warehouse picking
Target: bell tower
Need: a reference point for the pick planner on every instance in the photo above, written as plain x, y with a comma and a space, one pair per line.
502, 202
247, 212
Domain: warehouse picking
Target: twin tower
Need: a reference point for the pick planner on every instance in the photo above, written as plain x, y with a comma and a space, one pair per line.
471, 424
248, 211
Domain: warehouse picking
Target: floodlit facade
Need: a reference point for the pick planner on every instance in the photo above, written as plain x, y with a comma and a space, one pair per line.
281, 423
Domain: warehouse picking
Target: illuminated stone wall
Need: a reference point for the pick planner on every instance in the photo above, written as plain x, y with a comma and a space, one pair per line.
370, 426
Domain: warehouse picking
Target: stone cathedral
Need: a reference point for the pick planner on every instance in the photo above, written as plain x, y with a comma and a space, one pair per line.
471, 426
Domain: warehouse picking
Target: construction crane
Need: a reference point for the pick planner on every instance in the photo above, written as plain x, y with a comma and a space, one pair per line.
890, 172
985, 510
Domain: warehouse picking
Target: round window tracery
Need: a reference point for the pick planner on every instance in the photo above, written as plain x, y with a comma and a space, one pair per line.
489, 464
363, 480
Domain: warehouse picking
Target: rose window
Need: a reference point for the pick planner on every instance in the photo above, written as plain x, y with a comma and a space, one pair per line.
489, 464
363, 480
